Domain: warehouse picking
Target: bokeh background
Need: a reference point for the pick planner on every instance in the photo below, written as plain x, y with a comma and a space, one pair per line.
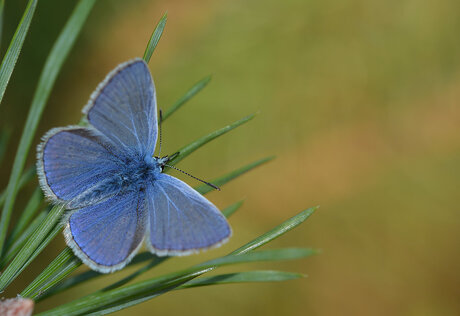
359, 101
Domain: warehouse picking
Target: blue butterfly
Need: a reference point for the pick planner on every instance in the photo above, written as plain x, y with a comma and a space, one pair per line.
106, 175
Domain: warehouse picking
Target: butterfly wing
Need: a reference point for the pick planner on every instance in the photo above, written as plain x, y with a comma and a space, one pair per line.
181, 220
123, 108
73, 160
107, 235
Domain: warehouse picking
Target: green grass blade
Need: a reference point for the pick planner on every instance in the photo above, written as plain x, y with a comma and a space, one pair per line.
155, 38
153, 263
203, 189
94, 302
82, 277
12, 54
26, 216
256, 256
55, 230
67, 283
276, 232
64, 264
112, 308
53, 64
19, 243
25, 178
2, 7
228, 211
231, 278
58, 270
33, 244
242, 277
129, 295
197, 87
4, 138
190, 148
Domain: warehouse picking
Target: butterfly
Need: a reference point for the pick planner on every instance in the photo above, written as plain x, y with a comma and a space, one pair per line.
114, 188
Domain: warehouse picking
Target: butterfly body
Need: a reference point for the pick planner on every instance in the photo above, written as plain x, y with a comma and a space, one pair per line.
114, 187
137, 173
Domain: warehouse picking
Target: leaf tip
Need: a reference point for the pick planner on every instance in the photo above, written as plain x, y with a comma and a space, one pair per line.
317, 251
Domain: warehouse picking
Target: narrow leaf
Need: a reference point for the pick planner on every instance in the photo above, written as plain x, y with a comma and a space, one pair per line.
197, 87
156, 35
231, 278
84, 276
276, 232
228, 211
26, 216
2, 8
25, 178
256, 256
203, 189
93, 302
4, 138
53, 64
155, 260
56, 229
12, 54
19, 243
190, 148
242, 277
41, 234
64, 264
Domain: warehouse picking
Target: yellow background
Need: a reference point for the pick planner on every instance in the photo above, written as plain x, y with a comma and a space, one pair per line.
359, 101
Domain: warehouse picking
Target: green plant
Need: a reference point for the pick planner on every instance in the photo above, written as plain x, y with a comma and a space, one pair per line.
36, 227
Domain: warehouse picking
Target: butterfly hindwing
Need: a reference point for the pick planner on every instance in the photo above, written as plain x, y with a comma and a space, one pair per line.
181, 220
107, 235
123, 108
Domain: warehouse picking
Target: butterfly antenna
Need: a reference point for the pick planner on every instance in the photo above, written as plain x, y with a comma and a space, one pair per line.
159, 127
208, 183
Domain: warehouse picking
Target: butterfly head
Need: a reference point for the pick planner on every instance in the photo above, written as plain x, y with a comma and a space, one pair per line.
162, 162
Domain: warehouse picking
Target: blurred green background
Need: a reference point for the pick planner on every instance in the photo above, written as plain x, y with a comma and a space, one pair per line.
359, 101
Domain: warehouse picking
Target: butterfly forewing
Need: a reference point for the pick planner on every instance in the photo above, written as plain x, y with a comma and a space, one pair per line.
124, 108
73, 160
